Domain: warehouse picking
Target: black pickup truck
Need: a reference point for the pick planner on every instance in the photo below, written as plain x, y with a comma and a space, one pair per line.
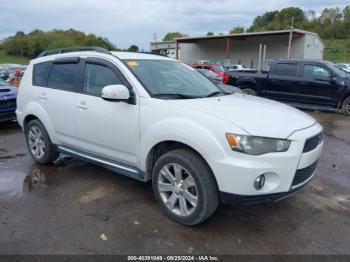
309, 84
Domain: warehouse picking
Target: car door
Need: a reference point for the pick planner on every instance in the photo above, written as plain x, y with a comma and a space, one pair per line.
282, 82
57, 97
106, 129
317, 86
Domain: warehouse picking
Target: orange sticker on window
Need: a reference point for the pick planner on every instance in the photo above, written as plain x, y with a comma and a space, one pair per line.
133, 63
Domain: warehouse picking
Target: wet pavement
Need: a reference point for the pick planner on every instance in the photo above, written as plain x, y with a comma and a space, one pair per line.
66, 207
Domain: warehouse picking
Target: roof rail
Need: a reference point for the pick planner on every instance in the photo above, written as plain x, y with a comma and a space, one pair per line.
75, 49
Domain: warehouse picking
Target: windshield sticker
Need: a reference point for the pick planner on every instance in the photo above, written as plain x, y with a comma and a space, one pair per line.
133, 63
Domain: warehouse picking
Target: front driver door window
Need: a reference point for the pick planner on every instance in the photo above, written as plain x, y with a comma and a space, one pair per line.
98, 76
313, 72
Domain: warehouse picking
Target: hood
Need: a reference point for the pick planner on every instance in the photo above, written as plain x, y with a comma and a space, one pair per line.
257, 116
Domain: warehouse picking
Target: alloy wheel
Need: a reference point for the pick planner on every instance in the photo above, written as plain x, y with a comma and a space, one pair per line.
36, 142
177, 189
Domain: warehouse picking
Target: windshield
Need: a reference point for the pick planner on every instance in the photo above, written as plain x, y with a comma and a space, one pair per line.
337, 70
207, 73
171, 78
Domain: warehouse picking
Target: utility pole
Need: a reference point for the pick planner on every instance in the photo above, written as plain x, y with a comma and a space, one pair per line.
290, 39
155, 39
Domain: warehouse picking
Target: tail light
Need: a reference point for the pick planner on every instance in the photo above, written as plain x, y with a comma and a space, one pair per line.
226, 79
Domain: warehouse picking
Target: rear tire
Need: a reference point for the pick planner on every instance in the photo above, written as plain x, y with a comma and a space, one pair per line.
248, 90
39, 143
346, 106
184, 187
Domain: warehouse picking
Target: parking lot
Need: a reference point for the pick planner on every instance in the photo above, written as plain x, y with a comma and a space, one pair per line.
65, 208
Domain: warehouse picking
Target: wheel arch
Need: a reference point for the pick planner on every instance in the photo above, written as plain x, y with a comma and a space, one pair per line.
341, 101
36, 111
249, 83
165, 146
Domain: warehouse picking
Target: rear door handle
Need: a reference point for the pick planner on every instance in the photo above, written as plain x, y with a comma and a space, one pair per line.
82, 105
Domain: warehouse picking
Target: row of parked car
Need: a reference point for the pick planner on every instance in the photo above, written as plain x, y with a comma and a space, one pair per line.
308, 84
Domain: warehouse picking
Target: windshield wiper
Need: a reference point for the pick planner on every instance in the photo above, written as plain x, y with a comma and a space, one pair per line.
175, 95
215, 93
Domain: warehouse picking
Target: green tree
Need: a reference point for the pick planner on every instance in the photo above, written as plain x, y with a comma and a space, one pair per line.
133, 48
32, 44
237, 30
210, 34
173, 35
279, 20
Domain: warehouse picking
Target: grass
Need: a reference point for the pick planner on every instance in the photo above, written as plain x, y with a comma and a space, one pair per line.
337, 57
7, 59
339, 48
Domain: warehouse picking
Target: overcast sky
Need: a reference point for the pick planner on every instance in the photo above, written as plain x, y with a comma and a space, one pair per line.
127, 22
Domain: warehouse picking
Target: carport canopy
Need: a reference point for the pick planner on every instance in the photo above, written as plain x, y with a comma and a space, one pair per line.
230, 37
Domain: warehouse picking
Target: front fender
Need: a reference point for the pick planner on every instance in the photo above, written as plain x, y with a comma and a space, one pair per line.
181, 130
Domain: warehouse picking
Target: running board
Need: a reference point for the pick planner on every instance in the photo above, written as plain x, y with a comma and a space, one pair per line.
313, 107
113, 165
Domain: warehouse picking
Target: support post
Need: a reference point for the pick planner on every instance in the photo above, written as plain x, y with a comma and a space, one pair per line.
290, 39
228, 48
177, 50
259, 64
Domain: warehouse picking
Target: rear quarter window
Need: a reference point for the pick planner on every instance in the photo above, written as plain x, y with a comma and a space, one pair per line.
40, 72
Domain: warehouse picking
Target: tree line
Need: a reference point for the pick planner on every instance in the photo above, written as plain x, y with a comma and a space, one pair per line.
331, 24
37, 41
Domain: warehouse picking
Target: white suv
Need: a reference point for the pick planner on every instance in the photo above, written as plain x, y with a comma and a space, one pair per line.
154, 118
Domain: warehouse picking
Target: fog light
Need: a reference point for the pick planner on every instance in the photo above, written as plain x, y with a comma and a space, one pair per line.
259, 182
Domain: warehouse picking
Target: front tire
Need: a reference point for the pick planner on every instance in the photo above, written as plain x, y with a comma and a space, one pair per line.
346, 106
184, 187
39, 143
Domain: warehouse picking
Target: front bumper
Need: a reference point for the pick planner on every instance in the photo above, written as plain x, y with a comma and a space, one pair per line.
7, 114
284, 172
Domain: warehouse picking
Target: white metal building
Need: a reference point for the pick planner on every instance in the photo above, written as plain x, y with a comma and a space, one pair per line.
246, 48
167, 48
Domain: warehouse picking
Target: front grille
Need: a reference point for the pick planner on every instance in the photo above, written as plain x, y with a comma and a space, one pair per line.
304, 174
11, 103
312, 143
7, 116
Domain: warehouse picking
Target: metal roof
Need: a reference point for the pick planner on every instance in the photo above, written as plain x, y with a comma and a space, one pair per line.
243, 35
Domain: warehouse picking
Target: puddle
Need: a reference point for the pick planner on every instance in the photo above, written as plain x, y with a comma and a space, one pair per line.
36, 179
16, 183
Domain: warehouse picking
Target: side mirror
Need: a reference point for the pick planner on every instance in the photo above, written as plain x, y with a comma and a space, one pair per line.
117, 93
334, 78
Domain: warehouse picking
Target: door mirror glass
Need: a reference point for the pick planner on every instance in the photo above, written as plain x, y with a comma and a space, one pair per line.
115, 93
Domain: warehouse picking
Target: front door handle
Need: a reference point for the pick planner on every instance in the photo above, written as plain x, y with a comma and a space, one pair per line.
82, 105
43, 96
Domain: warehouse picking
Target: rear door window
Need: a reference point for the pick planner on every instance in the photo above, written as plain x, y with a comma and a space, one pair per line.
286, 69
40, 72
64, 77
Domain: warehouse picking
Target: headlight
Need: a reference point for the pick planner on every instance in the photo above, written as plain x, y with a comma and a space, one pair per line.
254, 145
